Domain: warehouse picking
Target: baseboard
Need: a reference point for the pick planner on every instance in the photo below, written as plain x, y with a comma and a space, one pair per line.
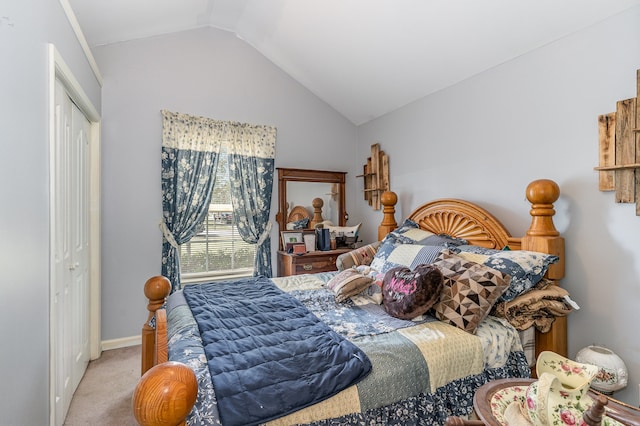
121, 343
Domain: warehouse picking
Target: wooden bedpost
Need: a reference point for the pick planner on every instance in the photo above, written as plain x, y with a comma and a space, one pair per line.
388, 224
165, 395
542, 236
156, 289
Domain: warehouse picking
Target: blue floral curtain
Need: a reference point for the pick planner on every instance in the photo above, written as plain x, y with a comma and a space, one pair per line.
251, 151
190, 153
190, 147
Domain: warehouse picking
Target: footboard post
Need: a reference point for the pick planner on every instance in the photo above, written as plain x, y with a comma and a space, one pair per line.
543, 237
156, 289
165, 395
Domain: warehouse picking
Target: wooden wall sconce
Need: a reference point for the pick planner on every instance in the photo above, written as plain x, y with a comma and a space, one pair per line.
376, 176
619, 150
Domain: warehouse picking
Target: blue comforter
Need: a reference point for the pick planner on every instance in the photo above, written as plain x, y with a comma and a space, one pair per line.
268, 355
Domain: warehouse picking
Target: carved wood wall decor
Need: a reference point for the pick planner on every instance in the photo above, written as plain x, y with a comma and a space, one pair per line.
376, 176
619, 150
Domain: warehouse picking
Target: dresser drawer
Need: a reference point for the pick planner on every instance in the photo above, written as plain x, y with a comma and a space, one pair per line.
308, 263
311, 265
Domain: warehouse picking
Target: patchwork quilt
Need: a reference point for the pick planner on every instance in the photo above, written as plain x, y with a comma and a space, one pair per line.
421, 371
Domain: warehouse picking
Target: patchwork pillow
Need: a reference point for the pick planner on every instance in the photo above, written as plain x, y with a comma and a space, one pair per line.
526, 268
361, 256
390, 255
408, 293
348, 283
469, 292
410, 233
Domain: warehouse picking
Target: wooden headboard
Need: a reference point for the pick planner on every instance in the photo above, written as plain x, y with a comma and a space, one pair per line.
463, 219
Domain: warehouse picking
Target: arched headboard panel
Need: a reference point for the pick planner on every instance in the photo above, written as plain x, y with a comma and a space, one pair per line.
463, 219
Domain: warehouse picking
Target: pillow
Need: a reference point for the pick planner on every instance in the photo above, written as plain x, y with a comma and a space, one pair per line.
526, 268
469, 292
343, 231
410, 233
348, 283
374, 292
408, 293
390, 255
298, 224
361, 256
410, 229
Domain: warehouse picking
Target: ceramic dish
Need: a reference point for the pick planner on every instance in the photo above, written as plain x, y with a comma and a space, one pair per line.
502, 398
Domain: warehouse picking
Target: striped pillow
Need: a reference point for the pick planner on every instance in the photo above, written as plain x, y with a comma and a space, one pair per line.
361, 256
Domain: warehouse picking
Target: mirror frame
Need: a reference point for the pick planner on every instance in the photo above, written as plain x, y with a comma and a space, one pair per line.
303, 175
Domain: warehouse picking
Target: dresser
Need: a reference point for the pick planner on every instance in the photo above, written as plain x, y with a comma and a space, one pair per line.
308, 263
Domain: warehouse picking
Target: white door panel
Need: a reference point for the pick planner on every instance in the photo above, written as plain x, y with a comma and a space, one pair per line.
80, 252
70, 243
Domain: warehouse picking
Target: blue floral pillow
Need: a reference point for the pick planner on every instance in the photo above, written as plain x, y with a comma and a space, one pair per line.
526, 268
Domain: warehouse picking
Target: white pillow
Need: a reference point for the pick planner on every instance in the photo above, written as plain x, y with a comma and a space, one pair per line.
344, 231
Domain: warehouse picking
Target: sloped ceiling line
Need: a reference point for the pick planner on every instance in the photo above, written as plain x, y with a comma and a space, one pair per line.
365, 58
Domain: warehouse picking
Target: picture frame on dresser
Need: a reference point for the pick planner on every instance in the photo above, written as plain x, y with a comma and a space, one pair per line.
310, 241
299, 248
290, 237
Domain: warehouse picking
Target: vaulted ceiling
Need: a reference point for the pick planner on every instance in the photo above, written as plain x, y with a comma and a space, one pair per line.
363, 57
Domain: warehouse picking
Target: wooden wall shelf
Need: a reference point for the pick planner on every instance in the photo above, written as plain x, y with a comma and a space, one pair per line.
619, 150
376, 176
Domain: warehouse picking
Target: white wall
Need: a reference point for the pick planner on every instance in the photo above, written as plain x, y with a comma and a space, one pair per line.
536, 117
26, 27
205, 72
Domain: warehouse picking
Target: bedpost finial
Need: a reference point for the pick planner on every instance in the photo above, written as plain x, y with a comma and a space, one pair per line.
317, 203
543, 191
157, 288
388, 224
388, 198
165, 394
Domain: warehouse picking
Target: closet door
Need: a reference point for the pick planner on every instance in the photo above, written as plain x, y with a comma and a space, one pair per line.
70, 245
80, 128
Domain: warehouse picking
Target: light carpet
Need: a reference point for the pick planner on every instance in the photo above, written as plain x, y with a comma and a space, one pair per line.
104, 395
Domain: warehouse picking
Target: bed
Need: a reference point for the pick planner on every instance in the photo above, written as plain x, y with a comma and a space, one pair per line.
403, 371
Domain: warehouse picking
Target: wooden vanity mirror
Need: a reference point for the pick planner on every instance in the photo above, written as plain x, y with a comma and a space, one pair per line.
297, 188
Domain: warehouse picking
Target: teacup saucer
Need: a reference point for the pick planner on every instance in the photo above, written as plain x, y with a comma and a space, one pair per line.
501, 400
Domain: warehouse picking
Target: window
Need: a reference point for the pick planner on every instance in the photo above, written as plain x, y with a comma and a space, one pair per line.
217, 250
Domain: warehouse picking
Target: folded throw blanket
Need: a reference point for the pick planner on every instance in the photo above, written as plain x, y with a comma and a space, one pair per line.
538, 307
